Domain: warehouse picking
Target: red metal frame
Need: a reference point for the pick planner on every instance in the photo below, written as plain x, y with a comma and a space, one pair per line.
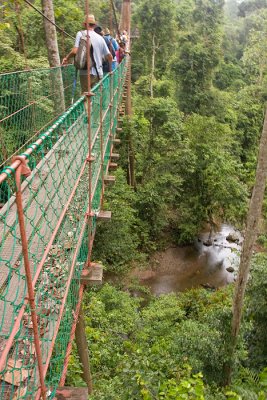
31, 297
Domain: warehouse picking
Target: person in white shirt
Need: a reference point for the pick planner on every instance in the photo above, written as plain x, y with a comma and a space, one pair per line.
100, 52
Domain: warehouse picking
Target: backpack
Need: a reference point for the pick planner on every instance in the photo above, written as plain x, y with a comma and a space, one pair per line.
112, 52
111, 48
80, 60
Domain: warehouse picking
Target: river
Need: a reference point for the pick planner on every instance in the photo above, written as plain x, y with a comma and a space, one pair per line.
179, 268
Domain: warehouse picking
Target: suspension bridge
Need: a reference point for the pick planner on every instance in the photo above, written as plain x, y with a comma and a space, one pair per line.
52, 187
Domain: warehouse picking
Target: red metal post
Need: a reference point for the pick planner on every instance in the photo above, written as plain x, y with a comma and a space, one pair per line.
111, 106
101, 141
31, 299
89, 159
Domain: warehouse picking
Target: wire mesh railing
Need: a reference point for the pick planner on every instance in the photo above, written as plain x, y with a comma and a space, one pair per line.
45, 238
29, 101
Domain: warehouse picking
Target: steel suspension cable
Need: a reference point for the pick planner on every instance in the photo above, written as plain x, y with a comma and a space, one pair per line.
48, 19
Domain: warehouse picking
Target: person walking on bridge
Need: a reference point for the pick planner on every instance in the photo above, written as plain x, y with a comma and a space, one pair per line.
100, 53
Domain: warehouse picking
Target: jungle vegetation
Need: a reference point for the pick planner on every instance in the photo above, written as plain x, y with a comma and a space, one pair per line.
199, 75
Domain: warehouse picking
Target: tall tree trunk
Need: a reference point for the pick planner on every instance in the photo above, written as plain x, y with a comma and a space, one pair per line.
152, 66
131, 152
83, 351
253, 218
19, 29
53, 56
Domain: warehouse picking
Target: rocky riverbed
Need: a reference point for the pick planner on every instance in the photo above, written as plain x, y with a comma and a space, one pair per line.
210, 262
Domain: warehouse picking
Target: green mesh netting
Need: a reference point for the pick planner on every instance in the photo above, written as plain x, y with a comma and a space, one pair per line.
55, 211
29, 102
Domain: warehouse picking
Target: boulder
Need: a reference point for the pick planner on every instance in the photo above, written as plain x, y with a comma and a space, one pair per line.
207, 242
230, 269
232, 237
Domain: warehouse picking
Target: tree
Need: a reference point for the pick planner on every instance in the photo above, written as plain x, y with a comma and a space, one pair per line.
231, 9
253, 218
53, 55
249, 6
197, 56
212, 189
254, 57
155, 20
116, 243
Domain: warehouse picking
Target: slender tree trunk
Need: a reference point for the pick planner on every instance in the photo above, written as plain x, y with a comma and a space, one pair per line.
131, 152
151, 140
152, 66
19, 29
83, 351
53, 56
253, 218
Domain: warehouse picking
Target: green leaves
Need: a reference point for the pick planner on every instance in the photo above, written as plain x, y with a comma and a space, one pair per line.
189, 388
120, 236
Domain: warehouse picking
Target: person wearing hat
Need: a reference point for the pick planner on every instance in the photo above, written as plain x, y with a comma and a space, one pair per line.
114, 44
100, 53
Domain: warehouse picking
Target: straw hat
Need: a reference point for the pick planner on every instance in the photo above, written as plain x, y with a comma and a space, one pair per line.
90, 19
106, 31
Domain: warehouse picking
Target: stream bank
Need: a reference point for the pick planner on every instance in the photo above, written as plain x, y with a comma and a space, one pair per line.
206, 263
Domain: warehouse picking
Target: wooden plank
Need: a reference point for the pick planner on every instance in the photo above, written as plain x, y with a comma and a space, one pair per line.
112, 165
108, 179
115, 156
92, 275
104, 215
71, 393
116, 141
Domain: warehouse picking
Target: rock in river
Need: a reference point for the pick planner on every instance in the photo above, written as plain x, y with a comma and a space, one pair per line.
232, 237
230, 269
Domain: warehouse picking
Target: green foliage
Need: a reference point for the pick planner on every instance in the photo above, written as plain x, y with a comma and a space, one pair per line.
69, 16
190, 388
212, 188
229, 76
120, 236
155, 21
144, 353
256, 312
197, 56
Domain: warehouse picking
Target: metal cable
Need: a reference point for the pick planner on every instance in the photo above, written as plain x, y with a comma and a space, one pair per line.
48, 19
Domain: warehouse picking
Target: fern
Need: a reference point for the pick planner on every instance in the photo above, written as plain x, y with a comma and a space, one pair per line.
247, 385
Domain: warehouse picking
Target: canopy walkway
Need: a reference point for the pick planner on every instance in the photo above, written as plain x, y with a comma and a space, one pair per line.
48, 220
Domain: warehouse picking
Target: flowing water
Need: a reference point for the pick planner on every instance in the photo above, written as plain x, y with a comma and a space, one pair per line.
181, 268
